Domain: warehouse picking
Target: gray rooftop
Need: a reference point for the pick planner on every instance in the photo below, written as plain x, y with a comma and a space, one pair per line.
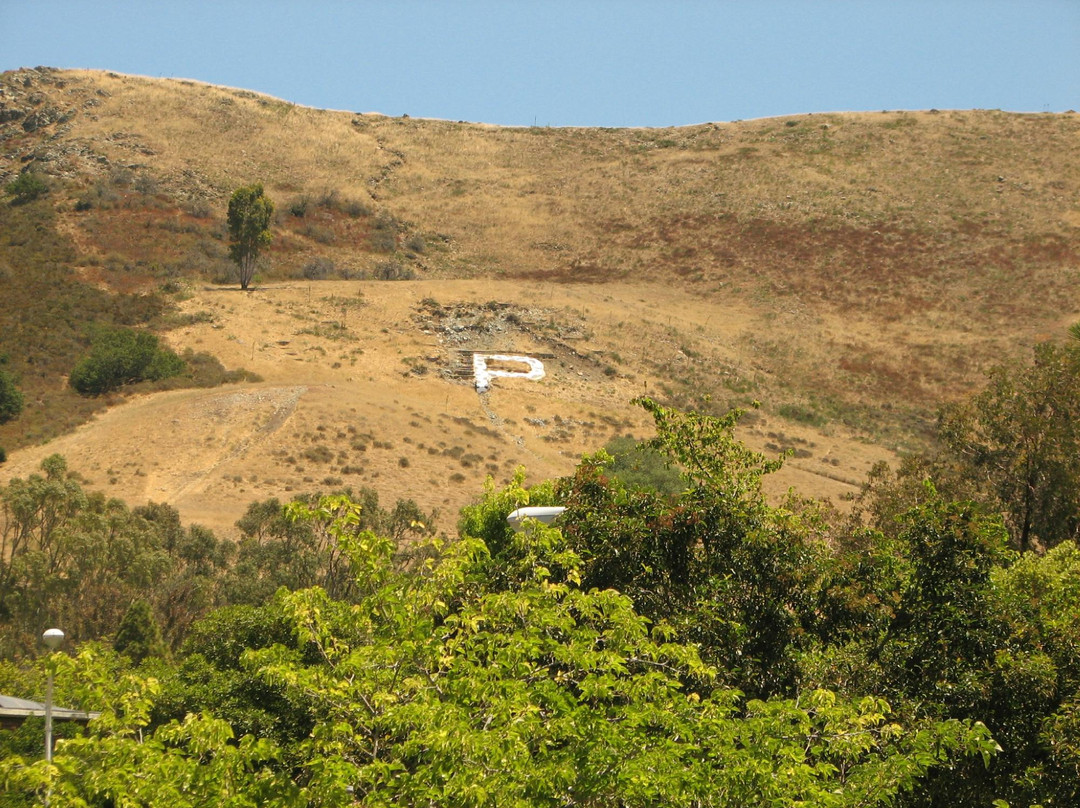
11, 707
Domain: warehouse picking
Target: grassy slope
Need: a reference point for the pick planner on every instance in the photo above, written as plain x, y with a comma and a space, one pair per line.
867, 266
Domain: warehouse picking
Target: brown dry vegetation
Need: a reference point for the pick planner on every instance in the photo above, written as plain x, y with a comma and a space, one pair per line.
849, 271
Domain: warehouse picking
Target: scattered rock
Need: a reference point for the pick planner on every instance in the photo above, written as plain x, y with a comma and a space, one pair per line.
8, 114
40, 118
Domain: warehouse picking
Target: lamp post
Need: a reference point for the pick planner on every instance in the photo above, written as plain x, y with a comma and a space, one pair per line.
541, 513
52, 639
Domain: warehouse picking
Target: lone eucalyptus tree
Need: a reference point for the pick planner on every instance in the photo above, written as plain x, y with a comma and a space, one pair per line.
250, 211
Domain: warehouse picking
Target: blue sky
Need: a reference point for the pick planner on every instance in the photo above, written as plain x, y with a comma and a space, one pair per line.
578, 62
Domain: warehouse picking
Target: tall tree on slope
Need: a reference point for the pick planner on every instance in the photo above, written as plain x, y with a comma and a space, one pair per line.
250, 211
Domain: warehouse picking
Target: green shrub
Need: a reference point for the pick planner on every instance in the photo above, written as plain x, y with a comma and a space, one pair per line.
392, 271
318, 269
299, 207
318, 454
145, 184
331, 200
120, 356
801, 415
318, 233
354, 208
385, 234
27, 187
11, 400
199, 208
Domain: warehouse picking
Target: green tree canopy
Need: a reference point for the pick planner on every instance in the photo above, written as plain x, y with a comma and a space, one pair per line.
733, 573
1017, 444
139, 635
77, 559
434, 689
250, 213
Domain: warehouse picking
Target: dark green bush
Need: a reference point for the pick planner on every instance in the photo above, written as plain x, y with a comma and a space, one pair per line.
27, 187
298, 207
318, 269
120, 356
11, 400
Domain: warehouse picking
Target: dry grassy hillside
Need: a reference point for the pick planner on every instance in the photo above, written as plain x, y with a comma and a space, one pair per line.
848, 271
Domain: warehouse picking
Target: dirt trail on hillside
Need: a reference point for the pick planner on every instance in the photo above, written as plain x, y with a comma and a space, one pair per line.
170, 447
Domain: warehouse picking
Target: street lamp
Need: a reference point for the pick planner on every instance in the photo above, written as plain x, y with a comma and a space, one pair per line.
52, 639
541, 513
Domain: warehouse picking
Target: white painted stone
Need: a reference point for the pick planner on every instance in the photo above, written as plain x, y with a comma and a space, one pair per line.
484, 375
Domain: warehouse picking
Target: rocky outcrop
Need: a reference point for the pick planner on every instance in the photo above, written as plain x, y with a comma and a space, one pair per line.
44, 116
38, 102
24, 99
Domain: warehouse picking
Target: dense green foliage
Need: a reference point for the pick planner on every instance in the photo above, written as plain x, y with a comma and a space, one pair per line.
249, 217
120, 356
79, 560
138, 635
432, 688
278, 551
729, 571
